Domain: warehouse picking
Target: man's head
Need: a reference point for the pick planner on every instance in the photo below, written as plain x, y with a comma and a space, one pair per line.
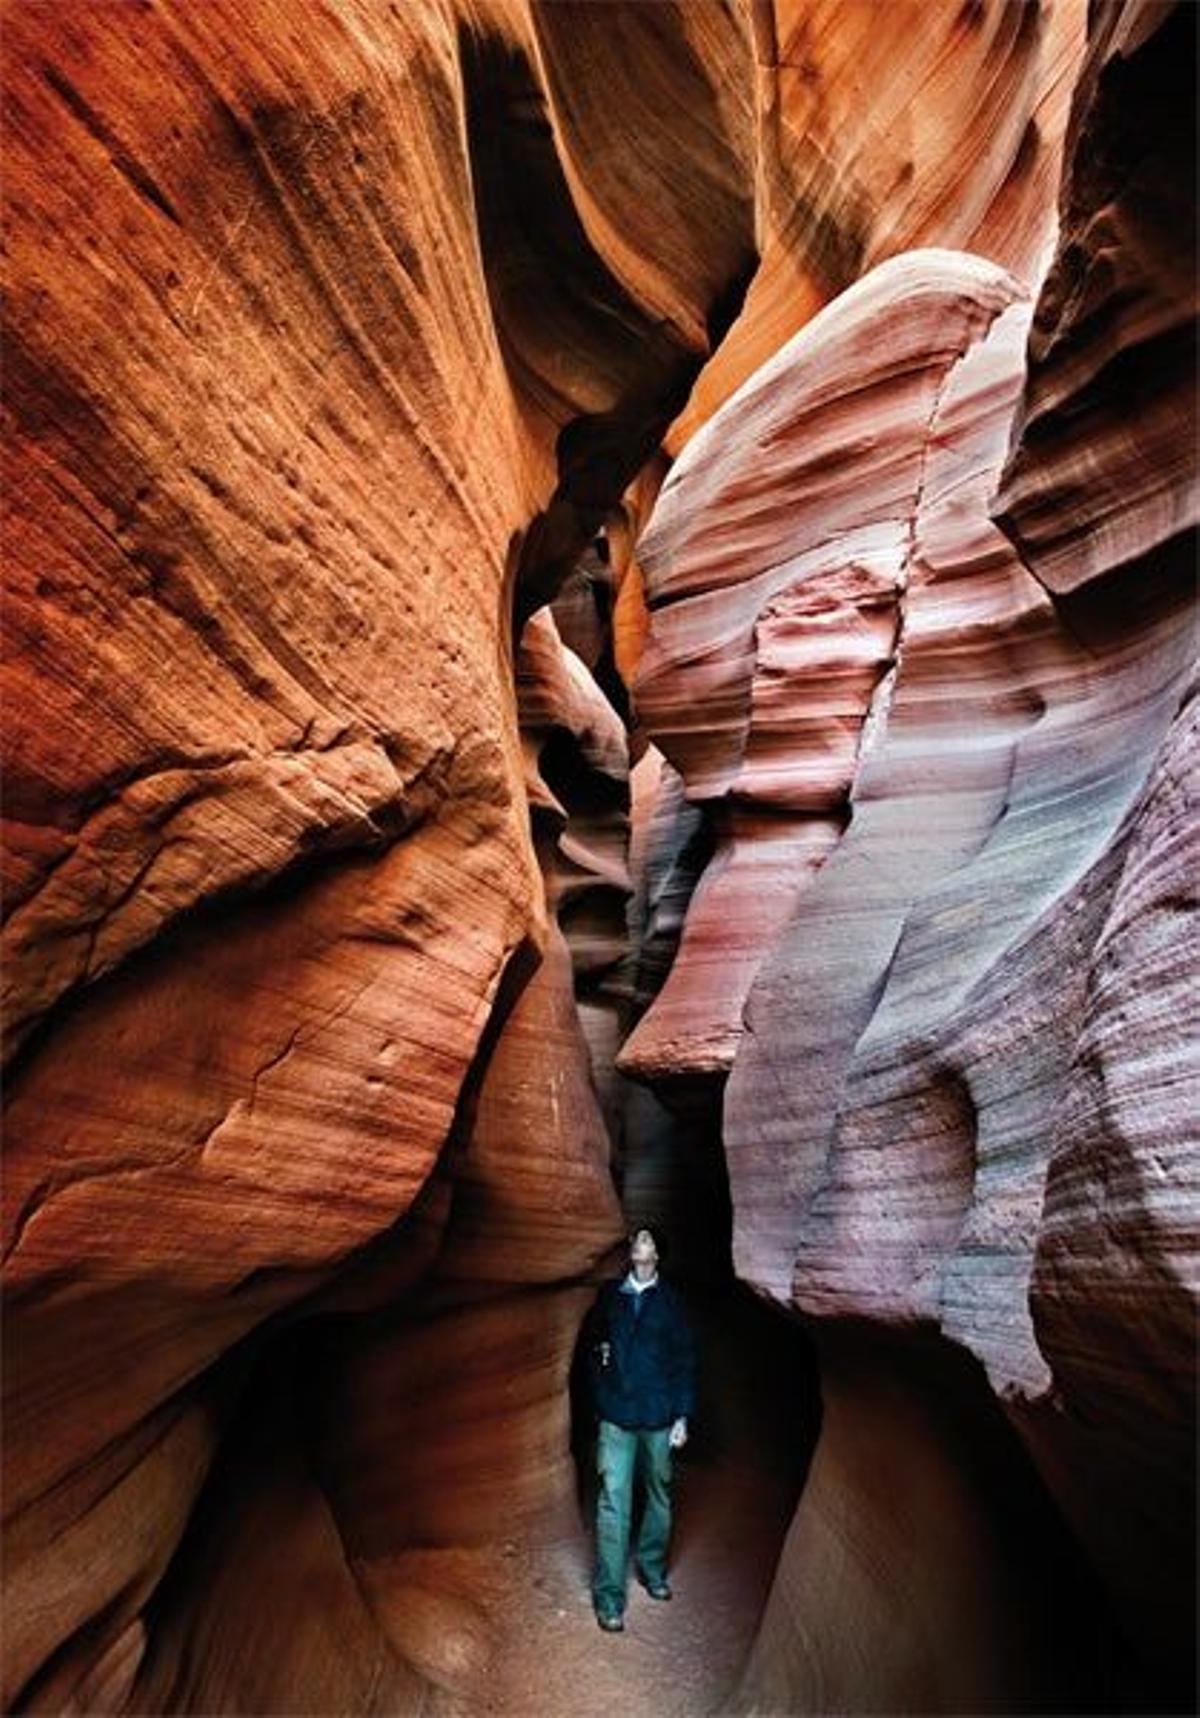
643, 1253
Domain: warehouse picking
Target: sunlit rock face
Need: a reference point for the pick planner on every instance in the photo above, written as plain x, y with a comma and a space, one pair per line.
884, 129
342, 347
278, 439
955, 1098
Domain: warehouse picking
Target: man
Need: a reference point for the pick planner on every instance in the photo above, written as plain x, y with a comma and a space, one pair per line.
641, 1365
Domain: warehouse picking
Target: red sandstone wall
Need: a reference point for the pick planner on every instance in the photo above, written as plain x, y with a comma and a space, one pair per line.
333, 339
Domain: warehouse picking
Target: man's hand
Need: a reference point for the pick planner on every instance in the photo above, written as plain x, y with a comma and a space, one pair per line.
677, 1436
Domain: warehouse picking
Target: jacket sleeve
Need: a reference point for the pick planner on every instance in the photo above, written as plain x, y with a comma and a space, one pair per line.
683, 1362
595, 1329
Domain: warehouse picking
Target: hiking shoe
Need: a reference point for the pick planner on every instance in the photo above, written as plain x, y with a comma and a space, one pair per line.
659, 1589
611, 1620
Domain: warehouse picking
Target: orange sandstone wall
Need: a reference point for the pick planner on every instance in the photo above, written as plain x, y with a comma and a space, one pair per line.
343, 343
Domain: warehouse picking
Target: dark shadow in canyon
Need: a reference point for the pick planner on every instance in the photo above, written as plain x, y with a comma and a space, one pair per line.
758, 1415
956, 1583
581, 351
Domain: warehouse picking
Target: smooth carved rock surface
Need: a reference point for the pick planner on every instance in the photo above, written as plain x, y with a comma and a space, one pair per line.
911, 1017
904, 1498
1115, 1275
177, 733
183, 1154
275, 435
924, 1085
340, 358
881, 130
777, 570
1103, 468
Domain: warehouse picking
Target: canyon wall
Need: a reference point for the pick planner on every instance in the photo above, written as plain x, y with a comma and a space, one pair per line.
920, 653
527, 520
283, 962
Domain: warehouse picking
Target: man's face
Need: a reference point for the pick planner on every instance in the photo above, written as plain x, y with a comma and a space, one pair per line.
643, 1255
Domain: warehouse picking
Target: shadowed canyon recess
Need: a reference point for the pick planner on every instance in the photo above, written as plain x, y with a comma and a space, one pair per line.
599, 628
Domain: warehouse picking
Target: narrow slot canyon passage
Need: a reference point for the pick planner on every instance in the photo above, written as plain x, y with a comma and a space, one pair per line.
737, 1480
599, 630
735, 1490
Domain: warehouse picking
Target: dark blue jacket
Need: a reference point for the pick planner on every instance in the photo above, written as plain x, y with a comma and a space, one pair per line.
649, 1377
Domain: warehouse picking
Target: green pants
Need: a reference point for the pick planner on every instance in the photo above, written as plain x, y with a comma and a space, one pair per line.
617, 1461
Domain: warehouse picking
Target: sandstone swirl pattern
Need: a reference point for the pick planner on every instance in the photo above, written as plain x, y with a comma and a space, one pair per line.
948, 1104
524, 518
275, 440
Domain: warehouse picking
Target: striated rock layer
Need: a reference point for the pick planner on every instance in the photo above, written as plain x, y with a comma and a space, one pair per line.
885, 129
1110, 393
948, 1103
282, 454
342, 351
